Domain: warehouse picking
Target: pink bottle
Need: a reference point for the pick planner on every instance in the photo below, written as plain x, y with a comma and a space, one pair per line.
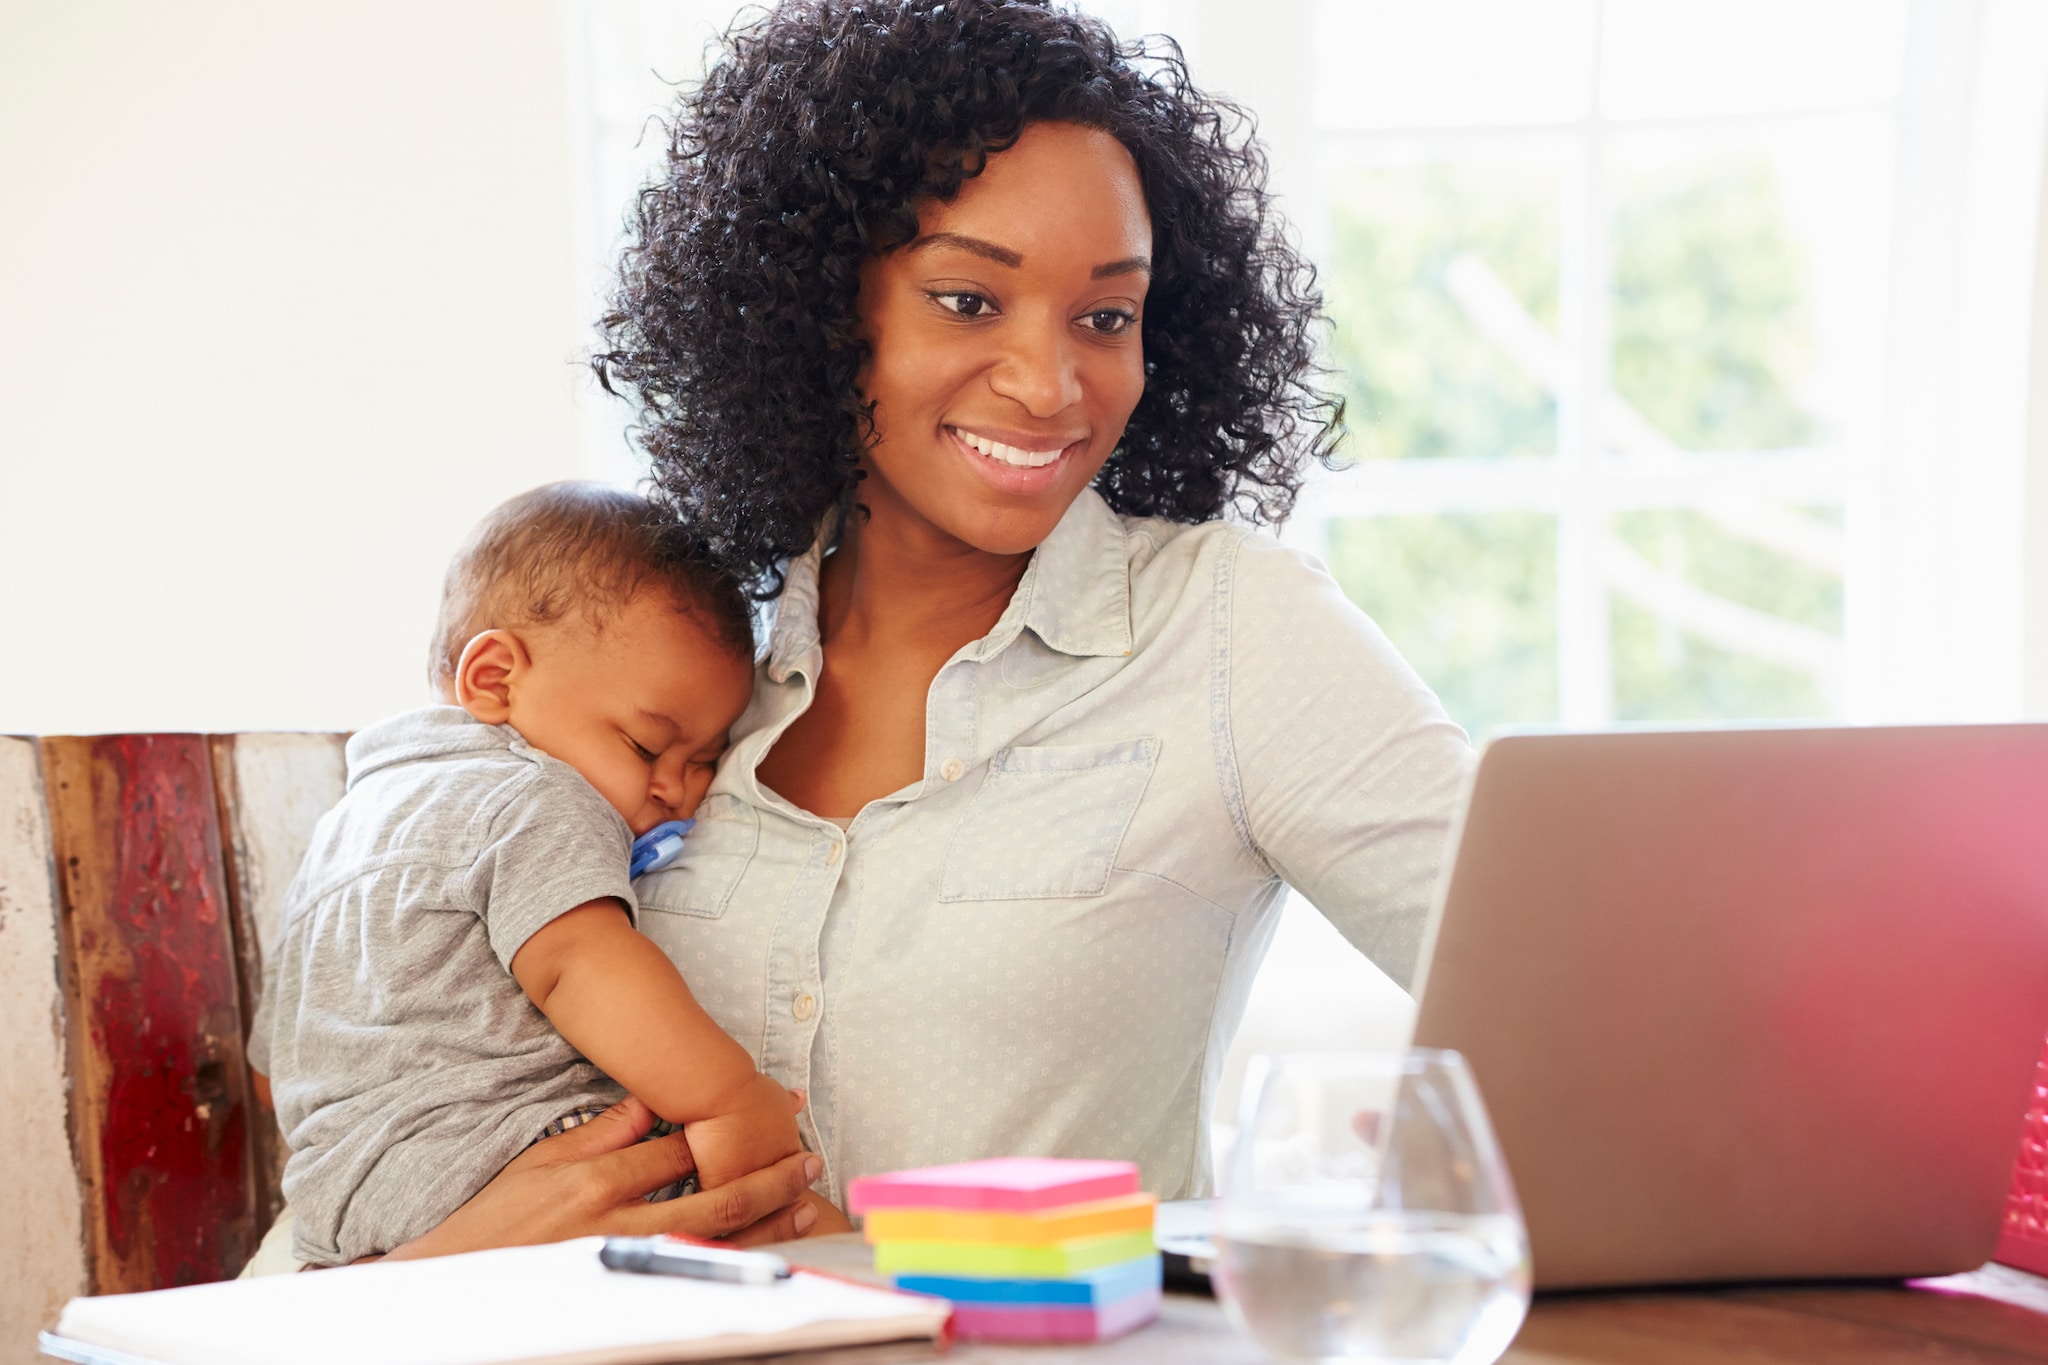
2024, 1239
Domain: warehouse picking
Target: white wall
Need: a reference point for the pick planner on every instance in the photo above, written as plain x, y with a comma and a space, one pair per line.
287, 300
2034, 599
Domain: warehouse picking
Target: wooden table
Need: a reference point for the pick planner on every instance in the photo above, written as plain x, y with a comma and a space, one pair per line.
1818, 1325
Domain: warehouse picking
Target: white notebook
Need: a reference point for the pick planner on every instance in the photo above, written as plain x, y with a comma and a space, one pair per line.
547, 1305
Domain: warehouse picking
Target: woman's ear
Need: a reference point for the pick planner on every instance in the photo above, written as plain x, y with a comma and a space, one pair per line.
492, 664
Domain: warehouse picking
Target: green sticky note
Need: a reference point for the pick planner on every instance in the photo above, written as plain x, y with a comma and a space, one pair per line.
1057, 1261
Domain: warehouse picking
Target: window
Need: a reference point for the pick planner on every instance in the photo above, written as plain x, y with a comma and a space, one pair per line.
1659, 327
1603, 303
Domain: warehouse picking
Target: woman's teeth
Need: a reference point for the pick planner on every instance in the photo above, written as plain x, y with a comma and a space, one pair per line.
996, 450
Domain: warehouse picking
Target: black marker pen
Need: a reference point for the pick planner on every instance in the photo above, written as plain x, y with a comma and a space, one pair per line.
666, 1256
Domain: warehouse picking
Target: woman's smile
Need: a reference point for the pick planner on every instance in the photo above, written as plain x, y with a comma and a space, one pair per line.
1015, 463
1022, 452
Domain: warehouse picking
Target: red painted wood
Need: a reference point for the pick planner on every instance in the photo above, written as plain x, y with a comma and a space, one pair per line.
160, 1104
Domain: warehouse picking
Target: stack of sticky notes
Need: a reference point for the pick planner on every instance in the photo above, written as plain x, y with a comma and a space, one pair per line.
1027, 1248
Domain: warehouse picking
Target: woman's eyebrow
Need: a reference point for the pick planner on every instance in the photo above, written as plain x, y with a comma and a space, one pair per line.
974, 246
1129, 265
1002, 255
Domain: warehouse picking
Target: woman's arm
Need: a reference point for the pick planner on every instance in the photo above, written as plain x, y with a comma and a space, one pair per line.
593, 1179
1349, 772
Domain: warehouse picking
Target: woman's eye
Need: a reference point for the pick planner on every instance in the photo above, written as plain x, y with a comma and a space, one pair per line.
965, 304
1111, 322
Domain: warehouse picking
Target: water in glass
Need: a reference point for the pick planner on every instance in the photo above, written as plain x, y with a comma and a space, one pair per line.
1367, 1216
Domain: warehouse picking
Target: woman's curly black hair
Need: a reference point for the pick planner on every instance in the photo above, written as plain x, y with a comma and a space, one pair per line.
810, 144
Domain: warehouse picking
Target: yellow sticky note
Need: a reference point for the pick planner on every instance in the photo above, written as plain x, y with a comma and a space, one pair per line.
1048, 1227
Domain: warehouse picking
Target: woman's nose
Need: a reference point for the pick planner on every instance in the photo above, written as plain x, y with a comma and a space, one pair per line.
1038, 369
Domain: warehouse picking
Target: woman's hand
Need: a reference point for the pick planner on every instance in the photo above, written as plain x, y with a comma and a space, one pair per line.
592, 1180
830, 1219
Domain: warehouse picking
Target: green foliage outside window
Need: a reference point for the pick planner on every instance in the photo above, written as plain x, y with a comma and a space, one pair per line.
1419, 381
1664, 673
1711, 344
1710, 333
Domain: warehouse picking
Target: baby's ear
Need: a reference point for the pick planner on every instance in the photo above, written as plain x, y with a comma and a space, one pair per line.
491, 663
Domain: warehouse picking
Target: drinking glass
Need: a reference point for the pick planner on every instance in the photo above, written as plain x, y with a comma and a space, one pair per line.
1366, 1214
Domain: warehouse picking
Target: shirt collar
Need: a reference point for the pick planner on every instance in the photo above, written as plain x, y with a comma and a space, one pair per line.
793, 639
1075, 594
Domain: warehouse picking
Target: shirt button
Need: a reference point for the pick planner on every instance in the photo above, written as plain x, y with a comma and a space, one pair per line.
951, 769
803, 1008
833, 852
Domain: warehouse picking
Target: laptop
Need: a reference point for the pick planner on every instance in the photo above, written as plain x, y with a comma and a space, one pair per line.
1751, 1005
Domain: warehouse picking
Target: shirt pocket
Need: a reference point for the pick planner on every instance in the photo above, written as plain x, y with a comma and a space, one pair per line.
1047, 821
715, 856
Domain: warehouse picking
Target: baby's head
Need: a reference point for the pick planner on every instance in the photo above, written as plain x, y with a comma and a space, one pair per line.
576, 615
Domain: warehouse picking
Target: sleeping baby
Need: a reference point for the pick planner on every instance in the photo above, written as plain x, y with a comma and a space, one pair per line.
458, 972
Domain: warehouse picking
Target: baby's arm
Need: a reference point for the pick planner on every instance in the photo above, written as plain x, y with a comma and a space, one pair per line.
623, 1004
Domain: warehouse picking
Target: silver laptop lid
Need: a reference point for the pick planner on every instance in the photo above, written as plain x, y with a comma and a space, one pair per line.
1751, 1004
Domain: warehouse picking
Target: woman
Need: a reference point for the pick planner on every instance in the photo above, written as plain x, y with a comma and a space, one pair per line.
1037, 737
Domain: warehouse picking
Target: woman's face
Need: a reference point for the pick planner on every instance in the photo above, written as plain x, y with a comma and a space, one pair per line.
1006, 352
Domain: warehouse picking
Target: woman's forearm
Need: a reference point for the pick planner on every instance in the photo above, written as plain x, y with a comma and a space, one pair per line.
592, 1179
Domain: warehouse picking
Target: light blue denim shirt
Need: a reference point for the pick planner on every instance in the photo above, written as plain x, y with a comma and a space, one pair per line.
1044, 946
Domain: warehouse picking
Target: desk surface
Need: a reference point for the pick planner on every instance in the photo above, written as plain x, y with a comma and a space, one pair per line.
1820, 1325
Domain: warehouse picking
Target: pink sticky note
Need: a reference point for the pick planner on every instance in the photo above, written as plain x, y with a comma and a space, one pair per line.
1019, 1184
1045, 1322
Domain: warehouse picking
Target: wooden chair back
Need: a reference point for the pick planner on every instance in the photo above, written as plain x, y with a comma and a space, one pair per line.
141, 878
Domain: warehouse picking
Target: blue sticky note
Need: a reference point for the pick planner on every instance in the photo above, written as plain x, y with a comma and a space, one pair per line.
1094, 1289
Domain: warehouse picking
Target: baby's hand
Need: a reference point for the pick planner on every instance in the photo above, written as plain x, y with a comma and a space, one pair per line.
758, 1130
